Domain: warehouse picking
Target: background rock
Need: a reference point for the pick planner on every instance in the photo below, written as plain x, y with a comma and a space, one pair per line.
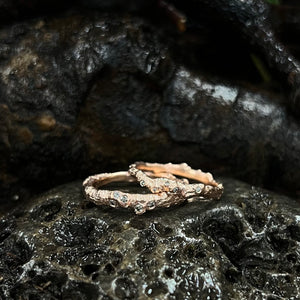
244, 246
84, 93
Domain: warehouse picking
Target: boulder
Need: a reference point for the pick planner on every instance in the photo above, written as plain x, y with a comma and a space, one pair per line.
243, 246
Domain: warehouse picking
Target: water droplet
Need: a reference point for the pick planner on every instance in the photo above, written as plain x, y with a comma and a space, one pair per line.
16, 197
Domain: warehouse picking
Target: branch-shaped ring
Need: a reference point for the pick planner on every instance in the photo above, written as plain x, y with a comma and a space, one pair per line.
212, 190
183, 170
166, 191
139, 202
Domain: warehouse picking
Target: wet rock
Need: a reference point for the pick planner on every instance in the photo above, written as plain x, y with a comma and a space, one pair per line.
244, 246
197, 110
48, 69
250, 18
83, 93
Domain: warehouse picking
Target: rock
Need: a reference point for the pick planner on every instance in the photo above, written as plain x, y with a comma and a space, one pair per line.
14, 10
196, 110
48, 69
244, 246
83, 93
251, 19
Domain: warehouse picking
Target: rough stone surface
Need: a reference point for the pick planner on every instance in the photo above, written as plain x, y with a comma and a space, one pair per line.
244, 246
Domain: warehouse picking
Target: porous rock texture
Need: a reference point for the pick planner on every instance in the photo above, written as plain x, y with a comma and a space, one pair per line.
87, 92
244, 246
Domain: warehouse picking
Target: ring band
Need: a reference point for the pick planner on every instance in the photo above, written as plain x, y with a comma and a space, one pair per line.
178, 186
166, 191
183, 170
139, 202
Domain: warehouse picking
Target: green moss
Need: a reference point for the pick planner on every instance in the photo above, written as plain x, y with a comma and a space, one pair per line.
261, 68
274, 2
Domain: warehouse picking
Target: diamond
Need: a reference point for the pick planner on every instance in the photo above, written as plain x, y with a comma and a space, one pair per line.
124, 198
167, 183
116, 195
139, 208
112, 203
151, 204
175, 190
142, 183
198, 189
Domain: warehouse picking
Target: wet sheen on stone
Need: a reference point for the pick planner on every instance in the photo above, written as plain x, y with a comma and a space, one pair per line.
246, 245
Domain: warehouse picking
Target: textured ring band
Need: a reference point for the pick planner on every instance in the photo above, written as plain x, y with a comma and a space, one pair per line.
139, 202
183, 170
178, 186
166, 191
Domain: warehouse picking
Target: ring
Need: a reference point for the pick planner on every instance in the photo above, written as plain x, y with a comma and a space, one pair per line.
165, 191
183, 170
139, 202
213, 190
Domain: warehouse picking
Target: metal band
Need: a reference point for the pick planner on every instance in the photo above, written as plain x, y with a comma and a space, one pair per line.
183, 170
177, 186
165, 191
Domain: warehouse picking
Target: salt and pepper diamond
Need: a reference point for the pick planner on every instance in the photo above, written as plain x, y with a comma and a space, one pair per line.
138, 208
151, 204
175, 190
198, 189
142, 183
124, 199
132, 170
112, 203
116, 195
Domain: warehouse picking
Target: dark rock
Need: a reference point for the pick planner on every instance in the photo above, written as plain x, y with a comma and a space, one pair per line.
196, 110
84, 93
12, 10
250, 18
49, 68
244, 246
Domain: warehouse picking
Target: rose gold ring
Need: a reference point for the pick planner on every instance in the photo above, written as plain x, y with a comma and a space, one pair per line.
183, 170
140, 202
166, 191
182, 187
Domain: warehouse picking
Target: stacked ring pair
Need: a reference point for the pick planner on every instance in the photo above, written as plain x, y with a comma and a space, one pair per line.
164, 188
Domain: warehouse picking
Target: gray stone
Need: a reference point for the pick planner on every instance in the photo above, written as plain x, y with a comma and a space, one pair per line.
244, 246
